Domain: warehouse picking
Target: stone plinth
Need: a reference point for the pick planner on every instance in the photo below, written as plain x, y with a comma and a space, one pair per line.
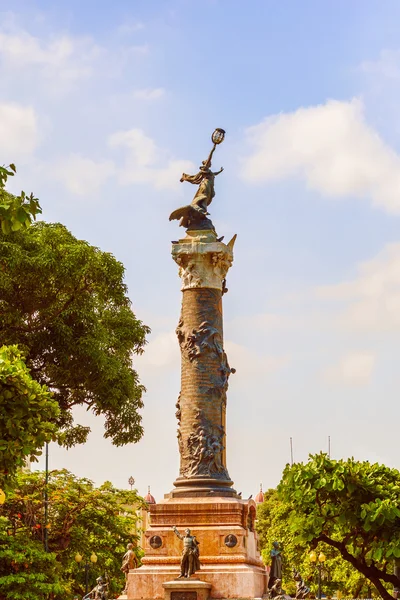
229, 555
188, 589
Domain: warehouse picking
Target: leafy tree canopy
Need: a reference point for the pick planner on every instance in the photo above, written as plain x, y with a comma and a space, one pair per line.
26, 413
82, 519
65, 304
16, 212
353, 507
273, 523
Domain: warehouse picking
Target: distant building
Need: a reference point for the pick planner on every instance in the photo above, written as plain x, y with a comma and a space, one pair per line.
259, 499
144, 516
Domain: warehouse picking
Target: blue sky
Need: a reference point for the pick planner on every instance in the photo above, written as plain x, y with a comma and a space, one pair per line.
103, 106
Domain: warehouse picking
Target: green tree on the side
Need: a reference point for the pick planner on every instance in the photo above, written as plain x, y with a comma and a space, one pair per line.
27, 410
16, 212
64, 302
82, 519
352, 507
273, 523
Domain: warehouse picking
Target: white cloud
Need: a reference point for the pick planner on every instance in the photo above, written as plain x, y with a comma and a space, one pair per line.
388, 65
373, 297
80, 175
60, 58
162, 351
352, 369
148, 93
332, 148
143, 160
129, 28
18, 131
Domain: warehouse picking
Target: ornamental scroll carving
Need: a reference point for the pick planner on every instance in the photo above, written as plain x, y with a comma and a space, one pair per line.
204, 448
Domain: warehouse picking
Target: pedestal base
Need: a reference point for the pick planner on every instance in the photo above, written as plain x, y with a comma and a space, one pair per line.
233, 582
229, 557
188, 589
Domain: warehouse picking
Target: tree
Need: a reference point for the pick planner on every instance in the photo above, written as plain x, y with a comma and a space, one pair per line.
351, 506
26, 411
273, 523
65, 304
27, 572
82, 519
16, 212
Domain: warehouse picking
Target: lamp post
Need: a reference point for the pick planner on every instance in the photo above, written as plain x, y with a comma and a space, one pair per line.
131, 482
321, 560
86, 567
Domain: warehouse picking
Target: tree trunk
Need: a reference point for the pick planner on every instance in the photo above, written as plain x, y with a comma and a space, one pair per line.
371, 572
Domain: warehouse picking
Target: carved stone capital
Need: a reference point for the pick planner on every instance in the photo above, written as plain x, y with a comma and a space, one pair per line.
203, 260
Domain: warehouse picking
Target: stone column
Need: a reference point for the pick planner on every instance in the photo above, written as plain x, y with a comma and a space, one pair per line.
203, 264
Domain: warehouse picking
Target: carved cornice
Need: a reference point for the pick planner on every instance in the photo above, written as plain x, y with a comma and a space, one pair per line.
203, 261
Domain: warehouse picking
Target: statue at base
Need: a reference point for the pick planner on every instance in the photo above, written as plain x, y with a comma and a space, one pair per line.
190, 561
129, 561
302, 590
275, 574
195, 215
99, 592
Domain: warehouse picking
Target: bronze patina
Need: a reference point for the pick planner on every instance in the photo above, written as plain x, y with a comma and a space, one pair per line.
190, 561
194, 215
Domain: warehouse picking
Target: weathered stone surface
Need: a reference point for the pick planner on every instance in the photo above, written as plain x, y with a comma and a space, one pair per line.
201, 406
191, 589
234, 572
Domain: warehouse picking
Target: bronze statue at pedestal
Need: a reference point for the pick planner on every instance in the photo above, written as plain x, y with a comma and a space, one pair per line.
190, 562
302, 590
99, 592
275, 574
129, 561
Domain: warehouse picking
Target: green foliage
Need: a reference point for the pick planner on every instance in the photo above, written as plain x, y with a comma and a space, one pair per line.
16, 212
65, 304
273, 523
354, 507
82, 519
26, 408
27, 572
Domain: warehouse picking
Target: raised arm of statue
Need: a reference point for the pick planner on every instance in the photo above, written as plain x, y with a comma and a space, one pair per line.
180, 536
218, 172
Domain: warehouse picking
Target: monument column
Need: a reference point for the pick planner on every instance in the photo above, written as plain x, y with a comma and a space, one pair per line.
203, 264
203, 527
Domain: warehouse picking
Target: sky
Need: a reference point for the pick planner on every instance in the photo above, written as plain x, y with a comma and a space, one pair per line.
103, 105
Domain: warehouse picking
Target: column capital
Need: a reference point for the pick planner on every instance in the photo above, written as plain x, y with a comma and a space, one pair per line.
203, 260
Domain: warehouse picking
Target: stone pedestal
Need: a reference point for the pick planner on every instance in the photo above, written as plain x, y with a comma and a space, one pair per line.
229, 555
190, 589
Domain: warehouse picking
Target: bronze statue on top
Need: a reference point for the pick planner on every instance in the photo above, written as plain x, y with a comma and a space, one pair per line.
194, 215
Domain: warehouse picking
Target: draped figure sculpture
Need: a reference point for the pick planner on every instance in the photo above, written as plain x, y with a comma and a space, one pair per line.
194, 215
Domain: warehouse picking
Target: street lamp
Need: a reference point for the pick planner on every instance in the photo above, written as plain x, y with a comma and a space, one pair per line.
131, 482
321, 560
86, 567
